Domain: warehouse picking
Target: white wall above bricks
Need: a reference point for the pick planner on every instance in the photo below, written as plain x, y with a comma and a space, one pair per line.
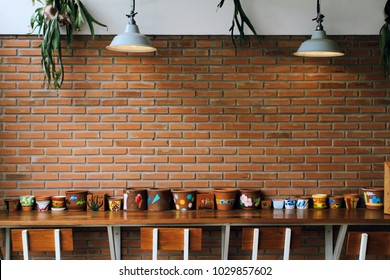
199, 17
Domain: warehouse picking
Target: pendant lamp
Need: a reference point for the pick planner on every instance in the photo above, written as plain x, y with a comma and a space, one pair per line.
131, 40
319, 45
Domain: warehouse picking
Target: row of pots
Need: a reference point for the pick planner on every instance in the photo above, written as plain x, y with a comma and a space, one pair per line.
184, 199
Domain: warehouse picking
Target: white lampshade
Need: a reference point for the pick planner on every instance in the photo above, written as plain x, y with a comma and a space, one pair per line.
131, 41
319, 46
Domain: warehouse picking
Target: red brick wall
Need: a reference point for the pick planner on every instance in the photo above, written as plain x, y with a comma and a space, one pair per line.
197, 114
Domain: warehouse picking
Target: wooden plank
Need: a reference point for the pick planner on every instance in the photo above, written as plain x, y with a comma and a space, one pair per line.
378, 243
40, 240
270, 238
387, 188
171, 239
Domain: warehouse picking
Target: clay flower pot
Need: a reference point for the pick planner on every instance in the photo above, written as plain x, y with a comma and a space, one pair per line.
115, 203
58, 203
319, 201
12, 204
351, 200
336, 201
225, 198
27, 202
205, 200
135, 199
249, 199
289, 203
76, 200
43, 203
184, 199
159, 199
373, 197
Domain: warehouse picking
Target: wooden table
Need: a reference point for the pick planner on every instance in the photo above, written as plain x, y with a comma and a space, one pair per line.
113, 221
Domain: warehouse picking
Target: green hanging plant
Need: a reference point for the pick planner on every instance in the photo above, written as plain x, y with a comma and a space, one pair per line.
47, 20
239, 20
384, 41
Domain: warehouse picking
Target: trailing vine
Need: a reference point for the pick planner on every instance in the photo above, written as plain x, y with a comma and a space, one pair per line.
384, 41
239, 21
47, 20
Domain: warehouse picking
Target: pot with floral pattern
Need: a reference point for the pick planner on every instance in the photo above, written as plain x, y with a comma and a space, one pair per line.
184, 199
250, 199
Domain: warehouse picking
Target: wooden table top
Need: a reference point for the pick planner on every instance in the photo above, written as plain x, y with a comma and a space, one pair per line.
201, 217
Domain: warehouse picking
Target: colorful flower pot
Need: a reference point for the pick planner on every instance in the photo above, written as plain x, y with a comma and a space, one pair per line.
115, 203
351, 200
373, 197
250, 199
184, 199
159, 199
205, 200
266, 204
336, 201
76, 200
135, 199
58, 203
289, 203
320, 201
225, 198
27, 202
43, 203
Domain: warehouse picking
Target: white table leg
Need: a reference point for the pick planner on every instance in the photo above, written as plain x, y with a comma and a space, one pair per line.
111, 242
7, 243
340, 241
225, 242
117, 241
328, 242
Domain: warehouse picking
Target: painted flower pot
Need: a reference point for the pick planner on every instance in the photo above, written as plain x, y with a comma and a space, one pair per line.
373, 197
225, 198
159, 199
205, 200
76, 200
303, 202
115, 203
351, 200
336, 201
278, 203
320, 201
289, 203
250, 199
12, 204
266, 204
27, 202
58, 203
135, 199
184, 199
43, 203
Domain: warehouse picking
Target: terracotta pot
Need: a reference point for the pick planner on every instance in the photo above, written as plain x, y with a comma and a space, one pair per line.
159, 199
12, 204
266, 204
135, 199
184, 199
205, 200
58, 202
336, 201
115, 203
76, 200
250, 199
96, 202
43, 203
351, 200
373, 197
225, 198
319, 201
